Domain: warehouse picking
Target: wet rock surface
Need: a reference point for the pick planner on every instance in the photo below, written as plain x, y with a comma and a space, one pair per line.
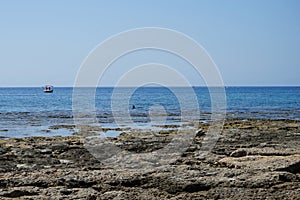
253, 159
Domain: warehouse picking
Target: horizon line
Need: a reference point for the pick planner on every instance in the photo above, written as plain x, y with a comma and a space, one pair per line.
130, 86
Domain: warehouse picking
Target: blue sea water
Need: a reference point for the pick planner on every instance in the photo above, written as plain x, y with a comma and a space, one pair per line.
30, 112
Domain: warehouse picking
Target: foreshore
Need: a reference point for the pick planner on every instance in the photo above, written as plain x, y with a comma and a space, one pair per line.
252, 159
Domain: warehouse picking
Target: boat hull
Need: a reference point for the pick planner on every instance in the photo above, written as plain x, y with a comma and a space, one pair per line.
48, 91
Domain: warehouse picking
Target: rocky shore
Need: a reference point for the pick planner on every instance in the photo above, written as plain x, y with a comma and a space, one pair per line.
252, 159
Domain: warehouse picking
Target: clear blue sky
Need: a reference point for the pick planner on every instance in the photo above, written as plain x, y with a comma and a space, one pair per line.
252, 42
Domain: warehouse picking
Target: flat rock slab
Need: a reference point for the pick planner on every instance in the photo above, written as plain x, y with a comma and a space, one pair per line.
253, 159
264, 163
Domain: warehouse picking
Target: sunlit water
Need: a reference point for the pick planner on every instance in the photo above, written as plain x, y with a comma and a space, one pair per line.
30, 112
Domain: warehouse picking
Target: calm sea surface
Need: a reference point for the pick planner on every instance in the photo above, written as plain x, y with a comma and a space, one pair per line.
30, 112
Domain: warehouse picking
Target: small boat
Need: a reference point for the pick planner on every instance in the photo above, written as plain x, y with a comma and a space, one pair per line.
48, 89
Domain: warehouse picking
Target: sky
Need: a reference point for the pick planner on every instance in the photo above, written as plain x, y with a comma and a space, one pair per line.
253, 43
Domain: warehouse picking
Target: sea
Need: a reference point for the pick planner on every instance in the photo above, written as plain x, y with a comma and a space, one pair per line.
29, 111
